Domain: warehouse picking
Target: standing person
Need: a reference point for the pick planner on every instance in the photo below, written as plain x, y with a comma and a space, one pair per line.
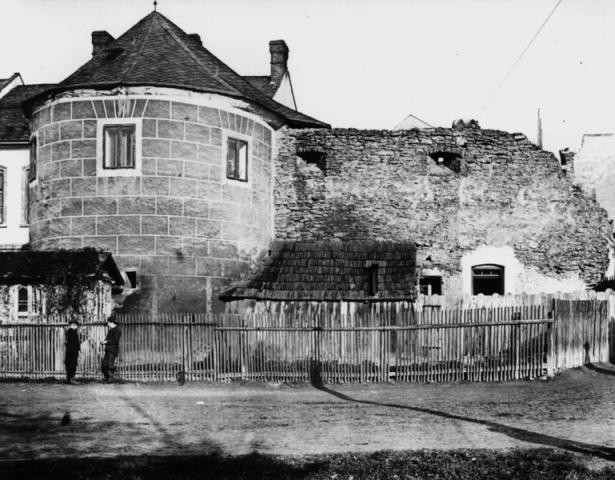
112, 348
73, 346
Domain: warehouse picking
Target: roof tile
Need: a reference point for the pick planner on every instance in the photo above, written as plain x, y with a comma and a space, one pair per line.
157, 52
331, 270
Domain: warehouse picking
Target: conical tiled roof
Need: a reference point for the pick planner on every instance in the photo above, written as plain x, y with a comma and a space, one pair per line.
157, 52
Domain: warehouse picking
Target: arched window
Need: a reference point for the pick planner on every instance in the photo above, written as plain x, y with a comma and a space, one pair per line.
487, 279
29, 301
23, 301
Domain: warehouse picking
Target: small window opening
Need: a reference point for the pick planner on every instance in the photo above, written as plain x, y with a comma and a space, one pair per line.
488, 279
32, 166
449, 160
131, 275
119, 146
314, 157
372, 280
2, 194
237, 160
430, 285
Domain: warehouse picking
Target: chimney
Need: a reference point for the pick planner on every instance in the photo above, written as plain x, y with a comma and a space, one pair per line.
196, 38
101, 39
279, 58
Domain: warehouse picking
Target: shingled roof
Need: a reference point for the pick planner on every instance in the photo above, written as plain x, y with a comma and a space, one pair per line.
156, 52
26, 266
5, 81
331, 271
13, 124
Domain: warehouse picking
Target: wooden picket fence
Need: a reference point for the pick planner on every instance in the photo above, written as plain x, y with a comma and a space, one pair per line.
432, 345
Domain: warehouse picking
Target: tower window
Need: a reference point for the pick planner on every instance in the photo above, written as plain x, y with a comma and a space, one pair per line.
237, 160
119, 146
488, 279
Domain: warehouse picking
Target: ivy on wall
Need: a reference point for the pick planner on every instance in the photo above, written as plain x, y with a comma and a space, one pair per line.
64, 276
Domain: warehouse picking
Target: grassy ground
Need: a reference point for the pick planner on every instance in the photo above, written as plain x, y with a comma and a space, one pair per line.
543, 464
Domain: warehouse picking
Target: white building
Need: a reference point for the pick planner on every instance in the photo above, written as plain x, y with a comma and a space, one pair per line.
14, 161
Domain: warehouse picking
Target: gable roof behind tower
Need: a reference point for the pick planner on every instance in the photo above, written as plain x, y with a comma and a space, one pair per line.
13, 124
156, 52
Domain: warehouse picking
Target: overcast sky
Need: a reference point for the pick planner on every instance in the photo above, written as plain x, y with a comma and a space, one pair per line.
368, 63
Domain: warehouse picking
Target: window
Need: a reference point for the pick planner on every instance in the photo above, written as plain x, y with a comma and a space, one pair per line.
372, 280
314, 157
2, 194
28, 301
119, 146
23, 300
449, 160
430, 285
488, 279
237, 160
32, 169
131, 275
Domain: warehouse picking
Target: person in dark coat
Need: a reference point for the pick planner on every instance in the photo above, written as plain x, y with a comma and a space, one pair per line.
112, 348
73, 346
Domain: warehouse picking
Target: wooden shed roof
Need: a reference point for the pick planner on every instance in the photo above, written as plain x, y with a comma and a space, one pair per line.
331, 271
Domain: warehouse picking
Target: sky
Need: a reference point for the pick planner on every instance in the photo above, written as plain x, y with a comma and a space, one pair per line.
369, 63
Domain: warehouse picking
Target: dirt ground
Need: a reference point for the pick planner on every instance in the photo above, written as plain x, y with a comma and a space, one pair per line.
575, 411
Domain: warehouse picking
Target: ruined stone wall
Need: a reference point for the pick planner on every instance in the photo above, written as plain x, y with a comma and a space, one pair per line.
176, 219
385, 185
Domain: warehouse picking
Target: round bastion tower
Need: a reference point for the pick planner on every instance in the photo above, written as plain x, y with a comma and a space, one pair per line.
157, 152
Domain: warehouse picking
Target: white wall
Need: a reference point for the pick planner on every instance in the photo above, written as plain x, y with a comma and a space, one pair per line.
13, 233
594, 169
518, 278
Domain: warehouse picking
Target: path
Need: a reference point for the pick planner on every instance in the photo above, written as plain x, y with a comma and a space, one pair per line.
575, 411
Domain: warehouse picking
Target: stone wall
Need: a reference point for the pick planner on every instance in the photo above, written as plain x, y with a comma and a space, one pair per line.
491, 189
175, 219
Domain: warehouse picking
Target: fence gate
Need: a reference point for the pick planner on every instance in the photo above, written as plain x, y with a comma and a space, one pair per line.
581, 333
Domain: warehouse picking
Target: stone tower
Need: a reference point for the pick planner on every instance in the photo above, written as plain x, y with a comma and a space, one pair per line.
156, 151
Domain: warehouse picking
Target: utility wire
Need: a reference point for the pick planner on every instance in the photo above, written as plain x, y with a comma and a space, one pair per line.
527, 47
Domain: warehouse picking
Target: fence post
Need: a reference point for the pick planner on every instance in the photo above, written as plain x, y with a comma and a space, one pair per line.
215, 334
242, 344
551, 345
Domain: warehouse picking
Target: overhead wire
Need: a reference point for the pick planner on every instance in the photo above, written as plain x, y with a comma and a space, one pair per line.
512, 68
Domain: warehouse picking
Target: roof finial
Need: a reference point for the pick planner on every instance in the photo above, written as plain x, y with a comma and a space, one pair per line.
155, 4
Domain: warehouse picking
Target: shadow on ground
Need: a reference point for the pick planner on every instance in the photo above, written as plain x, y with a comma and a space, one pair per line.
543, 464
600, 451
214, 466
